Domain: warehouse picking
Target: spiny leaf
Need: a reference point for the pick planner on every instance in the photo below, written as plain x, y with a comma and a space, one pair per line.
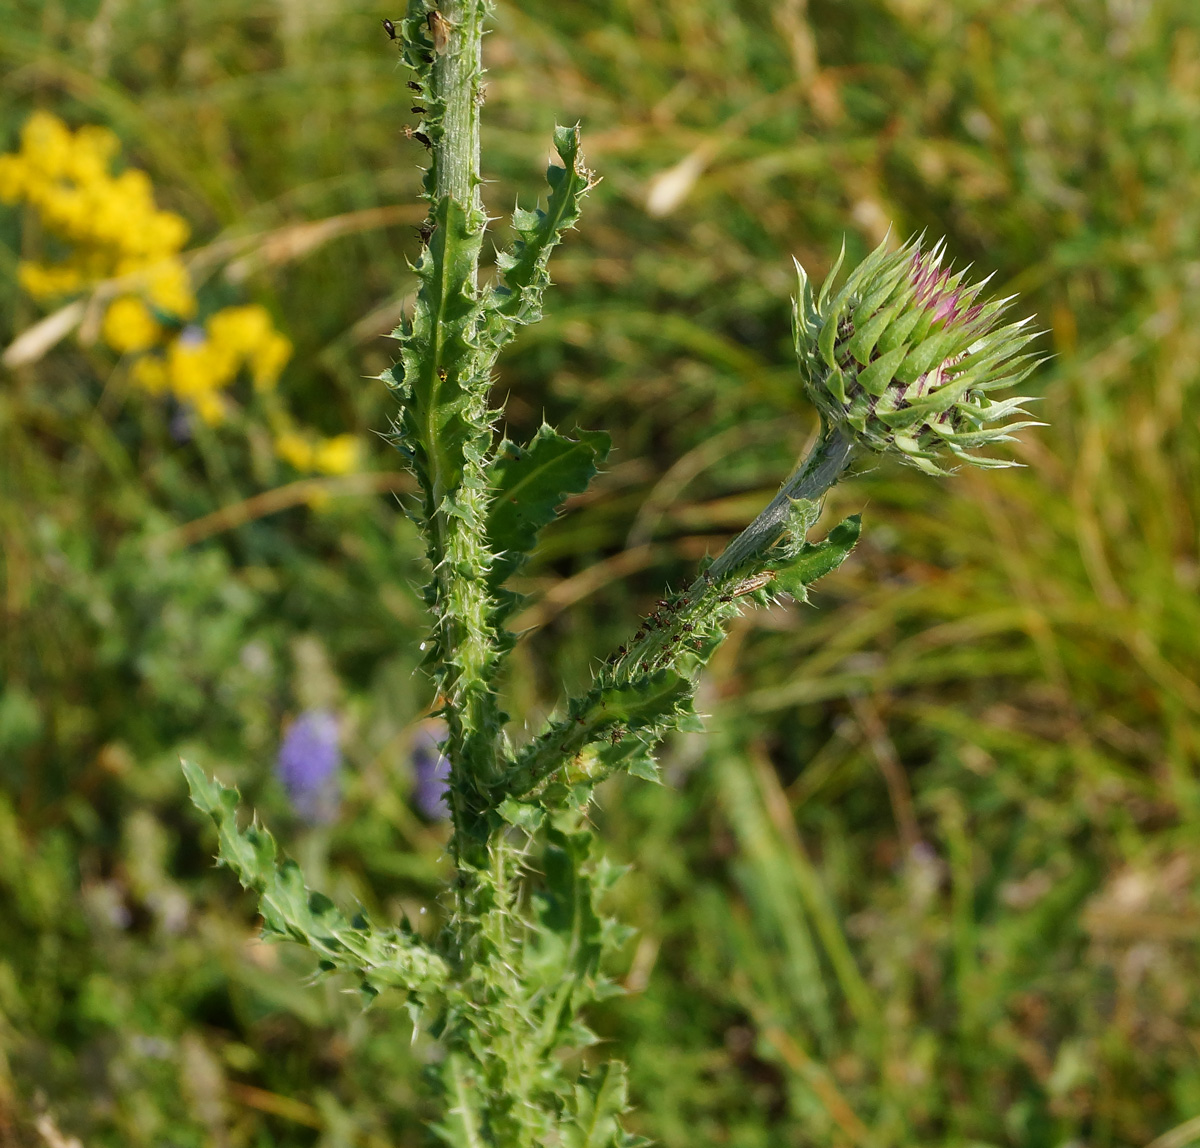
523, 267
814, 560
600, 1099
463, 1124
441, 380
380, 957
643, 705
529, 483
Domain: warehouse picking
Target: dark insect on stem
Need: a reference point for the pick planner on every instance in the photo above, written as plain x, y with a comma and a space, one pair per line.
390, 29
725, 598
418, 111
441, 374
644, 667
617, 734
425, 231
689, 627
423, 140
415, 87
621, 651
639, 635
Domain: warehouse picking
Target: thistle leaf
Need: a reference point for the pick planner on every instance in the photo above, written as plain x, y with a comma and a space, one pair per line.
441, 380
816, 559
640, 707
380, 957
529, 483
462, 1126
518, 300
600, 1099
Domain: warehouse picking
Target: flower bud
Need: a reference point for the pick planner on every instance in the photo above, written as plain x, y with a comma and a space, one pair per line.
904, 357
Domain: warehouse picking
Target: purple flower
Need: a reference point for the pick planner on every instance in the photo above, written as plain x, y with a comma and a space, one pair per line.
308, 764
431, 770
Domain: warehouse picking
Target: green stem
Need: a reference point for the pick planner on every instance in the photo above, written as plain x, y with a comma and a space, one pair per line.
456, 73
819, 471
457, 498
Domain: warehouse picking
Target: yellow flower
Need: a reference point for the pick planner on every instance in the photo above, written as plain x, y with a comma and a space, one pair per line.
195, 368
44, 281
13, 177
269, 359
337, 455
209, 407
93, 152
169, 288
164, 233
247, 332
294, 449
150, 373
240, 329
46, 145
128, 326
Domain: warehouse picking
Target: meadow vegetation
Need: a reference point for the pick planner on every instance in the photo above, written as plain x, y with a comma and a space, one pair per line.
932, 877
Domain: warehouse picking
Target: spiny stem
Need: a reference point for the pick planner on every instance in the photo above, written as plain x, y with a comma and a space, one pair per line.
457, 507
456, 73
819, 471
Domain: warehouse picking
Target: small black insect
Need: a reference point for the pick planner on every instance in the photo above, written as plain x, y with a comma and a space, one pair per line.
645, 666
617, 735
390, 29
418, 111
688, 627
639, 635
425, 231
725, 598
423, 140
415, 86
621, 651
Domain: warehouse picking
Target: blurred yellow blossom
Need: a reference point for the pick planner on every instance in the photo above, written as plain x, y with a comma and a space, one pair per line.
112, 221
44, 282
150, 373
115, 230
129, 326
295, 449
169, 288
247, 332
337, 455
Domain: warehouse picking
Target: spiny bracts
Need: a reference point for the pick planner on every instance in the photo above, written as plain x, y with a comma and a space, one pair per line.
905, 358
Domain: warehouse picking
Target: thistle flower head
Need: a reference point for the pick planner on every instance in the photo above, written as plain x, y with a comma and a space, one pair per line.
905, 357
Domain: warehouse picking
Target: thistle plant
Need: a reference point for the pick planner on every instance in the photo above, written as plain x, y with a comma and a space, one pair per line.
901, 359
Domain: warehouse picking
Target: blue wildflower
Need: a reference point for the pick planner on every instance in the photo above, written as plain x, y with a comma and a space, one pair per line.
308, 764
431, 770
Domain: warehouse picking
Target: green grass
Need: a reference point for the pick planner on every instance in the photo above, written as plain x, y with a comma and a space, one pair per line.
1003, 676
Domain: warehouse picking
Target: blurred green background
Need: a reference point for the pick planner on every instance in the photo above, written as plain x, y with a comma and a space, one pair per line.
933, 876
